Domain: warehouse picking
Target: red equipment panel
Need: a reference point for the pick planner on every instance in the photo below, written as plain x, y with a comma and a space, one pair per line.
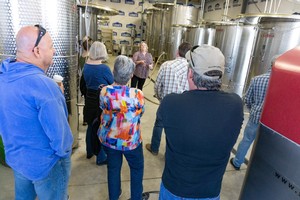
281, 110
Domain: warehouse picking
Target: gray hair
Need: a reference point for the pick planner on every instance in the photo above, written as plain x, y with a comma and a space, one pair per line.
123, 69
98, 51
202, 81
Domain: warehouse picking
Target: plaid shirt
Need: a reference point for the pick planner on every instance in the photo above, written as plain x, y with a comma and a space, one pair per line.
171, 78
255, 95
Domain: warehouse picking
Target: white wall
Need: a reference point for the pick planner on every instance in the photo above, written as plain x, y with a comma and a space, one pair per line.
128, 7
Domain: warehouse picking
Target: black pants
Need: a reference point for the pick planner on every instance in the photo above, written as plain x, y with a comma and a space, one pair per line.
139, 81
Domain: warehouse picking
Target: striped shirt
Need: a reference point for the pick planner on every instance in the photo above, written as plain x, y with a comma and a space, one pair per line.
255, 95
172, 78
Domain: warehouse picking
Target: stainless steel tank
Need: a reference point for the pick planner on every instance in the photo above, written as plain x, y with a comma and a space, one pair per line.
88, 18
153, 29
228, 40
179, 21
185, 15
193, 34
277, 34
59, 17
157, 29
202, 34
255, 40
176, 38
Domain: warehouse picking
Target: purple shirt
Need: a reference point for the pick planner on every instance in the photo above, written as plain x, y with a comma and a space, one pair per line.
140, 70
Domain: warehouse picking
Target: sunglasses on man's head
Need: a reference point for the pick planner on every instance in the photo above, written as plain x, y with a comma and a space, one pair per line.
42, 32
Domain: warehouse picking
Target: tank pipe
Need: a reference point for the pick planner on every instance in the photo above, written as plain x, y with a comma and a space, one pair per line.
142, 19
202, 9
150, 77
244, 6
266, 5
278, 6
271, 4
224, 18
87, 27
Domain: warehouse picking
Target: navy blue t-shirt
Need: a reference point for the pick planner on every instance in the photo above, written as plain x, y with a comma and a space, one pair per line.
201, 128
95, 75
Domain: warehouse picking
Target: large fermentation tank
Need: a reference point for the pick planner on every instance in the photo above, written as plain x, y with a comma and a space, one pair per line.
256, 39
157, 29
18, 13
277, 34
195, 35
184, 15
88, 19
153, 29
228, 40
179, 22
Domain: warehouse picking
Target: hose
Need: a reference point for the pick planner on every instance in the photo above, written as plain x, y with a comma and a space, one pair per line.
151, 80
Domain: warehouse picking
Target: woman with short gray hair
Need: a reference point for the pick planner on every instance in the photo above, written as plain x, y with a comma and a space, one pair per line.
123, 70
120, 129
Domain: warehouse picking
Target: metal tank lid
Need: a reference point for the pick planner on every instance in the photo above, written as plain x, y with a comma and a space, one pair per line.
151, 9
100, 9
253, 18
102, 17
185, 25
163, 5
213, 22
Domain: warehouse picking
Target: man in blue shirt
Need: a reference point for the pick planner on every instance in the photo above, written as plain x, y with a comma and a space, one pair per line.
254, 100
34, 124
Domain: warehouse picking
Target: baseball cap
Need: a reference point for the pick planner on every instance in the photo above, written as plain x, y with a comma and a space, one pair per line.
206, 60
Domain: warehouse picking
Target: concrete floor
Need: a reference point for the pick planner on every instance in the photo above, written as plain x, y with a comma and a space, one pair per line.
89, 181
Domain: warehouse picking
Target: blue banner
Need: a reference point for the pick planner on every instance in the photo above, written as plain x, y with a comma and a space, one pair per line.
138, 35
117, 24
125, 34
121, 12
130, 25
131, 2
133, 14
124, 42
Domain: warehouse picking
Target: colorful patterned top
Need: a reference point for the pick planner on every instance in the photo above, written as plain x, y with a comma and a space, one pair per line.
120, 120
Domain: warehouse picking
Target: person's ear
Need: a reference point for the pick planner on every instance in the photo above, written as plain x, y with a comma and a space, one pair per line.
36, 51
190, 74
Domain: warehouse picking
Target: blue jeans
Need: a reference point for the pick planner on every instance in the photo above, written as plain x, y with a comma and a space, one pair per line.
156, 137
165, 194
135, 159
248, 138
54, 186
